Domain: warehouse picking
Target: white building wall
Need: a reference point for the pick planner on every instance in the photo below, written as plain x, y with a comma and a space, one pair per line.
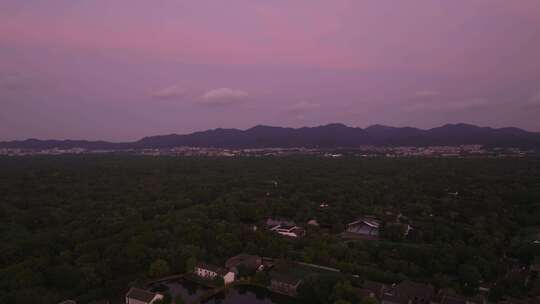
229, 277
205, 273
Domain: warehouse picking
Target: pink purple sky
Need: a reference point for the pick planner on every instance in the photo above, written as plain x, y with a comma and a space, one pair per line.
123, 69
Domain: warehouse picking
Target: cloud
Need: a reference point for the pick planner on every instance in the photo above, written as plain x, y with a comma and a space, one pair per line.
223, 96
302, 107
171, 92
448, 105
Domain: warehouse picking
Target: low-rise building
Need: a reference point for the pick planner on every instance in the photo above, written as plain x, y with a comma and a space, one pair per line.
284, 284
408, 292
250, 263
375, 288
448, 296
274, 222
367, 226
141, 296
210, 272
313, 222
289, 230
415, 293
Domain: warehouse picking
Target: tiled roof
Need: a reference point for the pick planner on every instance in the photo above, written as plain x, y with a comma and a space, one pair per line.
392, 299
375, 287
140, 294
415, 290
213, 268
284, 278
453, 299
248, 260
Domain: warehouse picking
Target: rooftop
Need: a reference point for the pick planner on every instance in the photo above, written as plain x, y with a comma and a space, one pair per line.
245, 259
210, 267
140, 294
284, 278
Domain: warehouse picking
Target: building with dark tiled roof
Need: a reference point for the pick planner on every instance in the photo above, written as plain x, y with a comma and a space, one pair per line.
141, 296
274, 222
408, 292
283, 283
251, 262
448, 296
415, 293
368, 226
376, 288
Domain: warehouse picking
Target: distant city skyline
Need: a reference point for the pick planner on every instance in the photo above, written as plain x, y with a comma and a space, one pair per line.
122, 70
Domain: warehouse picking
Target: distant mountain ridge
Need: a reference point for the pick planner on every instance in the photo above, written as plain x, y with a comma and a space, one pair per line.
326, 136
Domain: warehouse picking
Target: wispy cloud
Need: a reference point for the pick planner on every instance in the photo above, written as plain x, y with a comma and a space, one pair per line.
223, 96
170, 92
447, 105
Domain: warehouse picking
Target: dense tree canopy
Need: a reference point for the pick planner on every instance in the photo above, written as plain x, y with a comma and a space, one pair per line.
87, 227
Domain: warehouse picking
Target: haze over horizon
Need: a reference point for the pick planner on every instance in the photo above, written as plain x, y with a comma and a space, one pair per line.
266, 126
122, 70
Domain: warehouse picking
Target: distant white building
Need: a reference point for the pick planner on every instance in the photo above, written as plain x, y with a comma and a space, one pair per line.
272, 223
289, 230
313, 222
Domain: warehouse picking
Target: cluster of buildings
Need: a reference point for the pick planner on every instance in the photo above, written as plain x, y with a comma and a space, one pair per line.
370, 227
443, 151
362, 151
244, 265
366, 227
53, 151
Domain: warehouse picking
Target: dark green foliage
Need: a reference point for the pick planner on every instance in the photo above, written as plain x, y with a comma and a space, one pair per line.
469, 277
179, 300
159, 268
318, 288
218, 281
85, 227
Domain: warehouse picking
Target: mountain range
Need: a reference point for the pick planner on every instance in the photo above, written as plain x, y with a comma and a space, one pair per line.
326, 136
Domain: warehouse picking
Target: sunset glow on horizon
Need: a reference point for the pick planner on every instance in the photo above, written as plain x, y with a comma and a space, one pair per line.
121, 70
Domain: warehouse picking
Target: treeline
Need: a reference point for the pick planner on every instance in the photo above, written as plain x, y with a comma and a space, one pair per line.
87, 227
